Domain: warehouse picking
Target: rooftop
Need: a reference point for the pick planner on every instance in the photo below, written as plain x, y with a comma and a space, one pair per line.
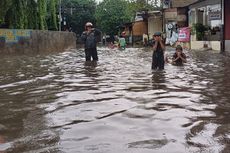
182, 3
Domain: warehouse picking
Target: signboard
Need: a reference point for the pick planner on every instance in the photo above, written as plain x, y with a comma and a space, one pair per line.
184, 35
215, 15
171, 13
14, 35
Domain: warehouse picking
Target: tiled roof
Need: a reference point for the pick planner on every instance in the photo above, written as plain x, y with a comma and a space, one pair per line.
182, 3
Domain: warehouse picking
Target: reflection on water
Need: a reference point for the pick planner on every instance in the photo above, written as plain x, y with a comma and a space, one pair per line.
59, 103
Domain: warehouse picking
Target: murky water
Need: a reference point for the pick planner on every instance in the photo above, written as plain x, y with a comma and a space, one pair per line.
59, 104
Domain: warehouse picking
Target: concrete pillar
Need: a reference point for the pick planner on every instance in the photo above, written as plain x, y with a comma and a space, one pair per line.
205, 16
196, 15
196, 21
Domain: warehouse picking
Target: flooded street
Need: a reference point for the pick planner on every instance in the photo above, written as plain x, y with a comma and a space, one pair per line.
57, 103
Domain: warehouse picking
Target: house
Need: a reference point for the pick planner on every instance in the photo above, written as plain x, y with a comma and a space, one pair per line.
139, 28
181, 3
135, 30
226, 4
155, 22
146, 23
175, 16
205, 17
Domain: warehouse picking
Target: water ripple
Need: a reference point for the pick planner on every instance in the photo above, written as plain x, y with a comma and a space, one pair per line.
59, 103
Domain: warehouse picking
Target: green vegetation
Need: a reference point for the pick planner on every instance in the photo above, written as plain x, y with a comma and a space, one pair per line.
110, 14
77, 12
199, 29
52, 20
28, 14
42, 14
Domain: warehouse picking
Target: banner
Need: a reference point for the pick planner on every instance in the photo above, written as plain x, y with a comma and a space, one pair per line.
14, 35
166, 4
184, 35
215, 15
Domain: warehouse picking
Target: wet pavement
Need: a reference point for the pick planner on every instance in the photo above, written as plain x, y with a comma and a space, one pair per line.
57, 103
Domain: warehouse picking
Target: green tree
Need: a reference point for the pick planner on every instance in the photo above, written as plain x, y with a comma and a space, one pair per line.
111, 14
16, 14
32, 14
52, 16
42, 9
78, 12
145, 5
29, 14
4, 6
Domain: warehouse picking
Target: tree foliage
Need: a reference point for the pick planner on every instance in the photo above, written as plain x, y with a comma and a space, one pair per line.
4, 6
42, 14
111, 14
52, 16
16, 14
78, 12
145, 5
148, 4
28, 14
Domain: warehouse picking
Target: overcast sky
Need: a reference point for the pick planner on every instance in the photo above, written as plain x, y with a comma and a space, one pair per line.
98, 1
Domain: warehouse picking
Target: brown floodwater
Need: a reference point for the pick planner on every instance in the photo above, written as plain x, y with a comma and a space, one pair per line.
57, 103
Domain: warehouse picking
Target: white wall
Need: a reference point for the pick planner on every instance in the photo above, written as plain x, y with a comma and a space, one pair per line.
227, 45
215, 45
154, 25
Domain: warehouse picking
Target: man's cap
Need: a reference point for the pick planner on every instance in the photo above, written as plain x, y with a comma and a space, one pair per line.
89, 24
157, 34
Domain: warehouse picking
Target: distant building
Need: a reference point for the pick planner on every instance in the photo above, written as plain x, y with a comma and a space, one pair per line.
181, 3
206, 14
226, 4
147, 23
155, 22
175, 16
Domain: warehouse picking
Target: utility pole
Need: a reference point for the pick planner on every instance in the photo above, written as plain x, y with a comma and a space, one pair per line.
60, 17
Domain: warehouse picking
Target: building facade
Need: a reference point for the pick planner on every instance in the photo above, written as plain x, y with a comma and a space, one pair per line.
226, 5
175, 18
205, 18
154, 22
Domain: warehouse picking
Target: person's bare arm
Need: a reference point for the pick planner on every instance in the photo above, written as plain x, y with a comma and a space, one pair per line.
175, 59
155, 46
162, 44
183, 58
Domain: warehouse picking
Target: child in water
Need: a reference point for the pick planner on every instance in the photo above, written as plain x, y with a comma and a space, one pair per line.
122, 42
179, 57
158, 60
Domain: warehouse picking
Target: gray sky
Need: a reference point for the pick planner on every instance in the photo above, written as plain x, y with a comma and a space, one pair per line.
98, 1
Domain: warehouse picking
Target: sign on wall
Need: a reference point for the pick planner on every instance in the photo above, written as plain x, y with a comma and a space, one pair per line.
215, 15
171, 13
184, 35
14, 35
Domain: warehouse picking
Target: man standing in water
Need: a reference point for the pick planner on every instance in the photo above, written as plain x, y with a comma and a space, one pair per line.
158, 52
90, 39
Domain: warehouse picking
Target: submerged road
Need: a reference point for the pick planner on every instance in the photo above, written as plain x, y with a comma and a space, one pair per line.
57, 103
